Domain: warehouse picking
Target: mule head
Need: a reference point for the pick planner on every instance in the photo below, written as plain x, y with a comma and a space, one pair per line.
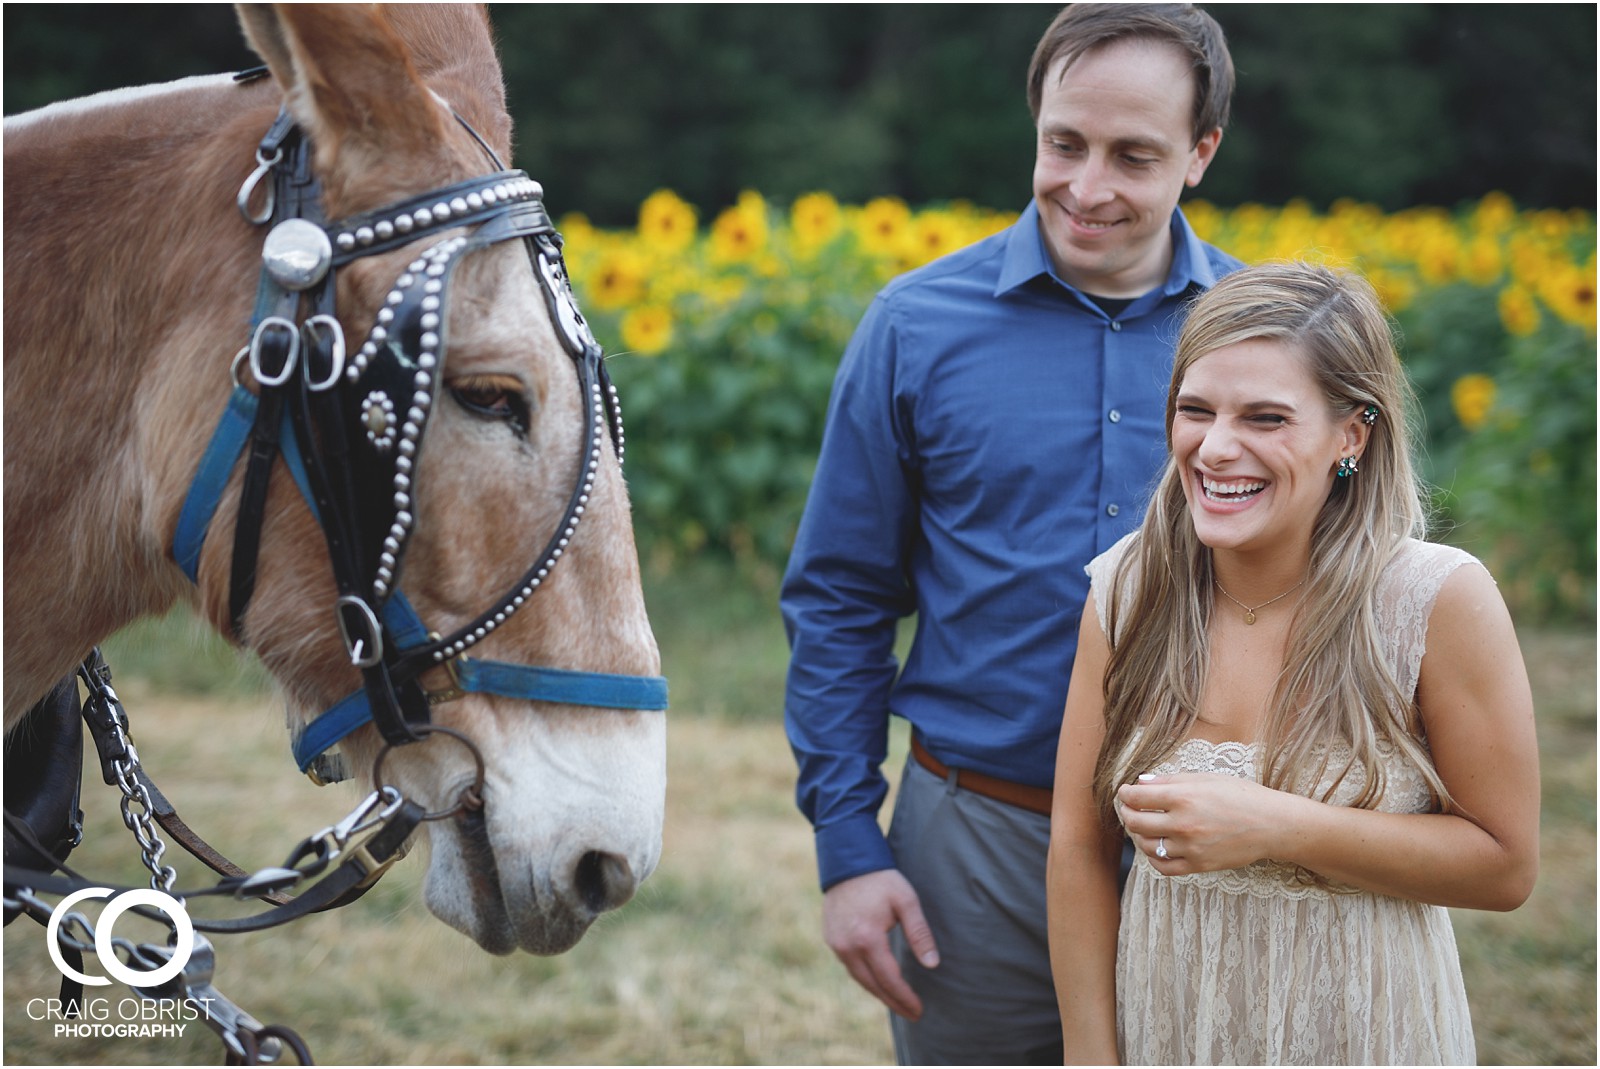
573, 795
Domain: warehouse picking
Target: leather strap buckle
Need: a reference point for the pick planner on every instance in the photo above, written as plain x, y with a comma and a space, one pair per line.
361, 631
448, 693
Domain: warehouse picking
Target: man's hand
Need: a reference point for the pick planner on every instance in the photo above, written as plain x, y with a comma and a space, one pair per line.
856, 917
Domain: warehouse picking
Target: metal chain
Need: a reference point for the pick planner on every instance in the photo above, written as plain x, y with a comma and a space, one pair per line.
121, 760
246, 1040
143, 826
37, 907
97, 674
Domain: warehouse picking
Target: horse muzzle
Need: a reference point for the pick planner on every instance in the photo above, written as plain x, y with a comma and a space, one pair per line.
542, 859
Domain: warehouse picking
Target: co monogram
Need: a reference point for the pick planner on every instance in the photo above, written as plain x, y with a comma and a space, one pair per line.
102, 937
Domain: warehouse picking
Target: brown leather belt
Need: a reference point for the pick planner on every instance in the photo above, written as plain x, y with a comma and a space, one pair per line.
1033, 799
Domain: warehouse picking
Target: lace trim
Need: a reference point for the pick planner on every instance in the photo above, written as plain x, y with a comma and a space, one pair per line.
1407, 790
1262, 879
1407, 793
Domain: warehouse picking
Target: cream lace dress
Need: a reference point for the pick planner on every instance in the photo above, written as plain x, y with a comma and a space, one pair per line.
1245, 967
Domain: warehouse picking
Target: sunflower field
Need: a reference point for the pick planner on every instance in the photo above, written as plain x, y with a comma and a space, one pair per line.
724, 336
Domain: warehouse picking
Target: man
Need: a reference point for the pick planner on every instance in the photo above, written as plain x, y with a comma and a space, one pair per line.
995, 423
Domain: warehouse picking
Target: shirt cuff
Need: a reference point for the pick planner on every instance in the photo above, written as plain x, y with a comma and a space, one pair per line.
852, 847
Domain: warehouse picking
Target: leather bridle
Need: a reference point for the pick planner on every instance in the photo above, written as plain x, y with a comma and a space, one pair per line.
350, 425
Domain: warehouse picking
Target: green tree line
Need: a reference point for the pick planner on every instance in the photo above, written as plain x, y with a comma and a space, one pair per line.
1392, 104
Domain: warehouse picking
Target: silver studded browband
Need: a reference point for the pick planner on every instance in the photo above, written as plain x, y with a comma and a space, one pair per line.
457, 205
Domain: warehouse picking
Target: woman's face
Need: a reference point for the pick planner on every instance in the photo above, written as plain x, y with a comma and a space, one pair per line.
1257, 446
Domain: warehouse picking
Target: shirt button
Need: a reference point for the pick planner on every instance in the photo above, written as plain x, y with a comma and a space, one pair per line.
1115, 415
1116, 328
1112, 510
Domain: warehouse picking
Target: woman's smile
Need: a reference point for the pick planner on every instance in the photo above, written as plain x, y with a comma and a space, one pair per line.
1260, 443
1229, 491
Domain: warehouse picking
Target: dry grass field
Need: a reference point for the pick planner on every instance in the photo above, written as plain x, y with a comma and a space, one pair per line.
718, 960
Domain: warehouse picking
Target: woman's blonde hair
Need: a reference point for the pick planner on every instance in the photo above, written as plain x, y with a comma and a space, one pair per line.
1336, 685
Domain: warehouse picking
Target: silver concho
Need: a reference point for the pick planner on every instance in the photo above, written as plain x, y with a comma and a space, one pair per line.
377, 418
297, 254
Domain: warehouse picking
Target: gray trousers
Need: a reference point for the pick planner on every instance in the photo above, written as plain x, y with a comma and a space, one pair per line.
978, 867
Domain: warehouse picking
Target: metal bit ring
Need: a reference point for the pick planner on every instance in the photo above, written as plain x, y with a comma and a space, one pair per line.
289, 1038
471, 797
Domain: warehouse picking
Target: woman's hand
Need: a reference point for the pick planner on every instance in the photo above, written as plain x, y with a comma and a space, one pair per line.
1206, 821
1481, 852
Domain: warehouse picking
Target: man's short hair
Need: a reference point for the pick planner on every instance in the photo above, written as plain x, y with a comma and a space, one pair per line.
1081, 28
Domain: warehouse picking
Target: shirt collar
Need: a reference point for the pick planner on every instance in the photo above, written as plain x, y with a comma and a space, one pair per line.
1026, 259
1191, 267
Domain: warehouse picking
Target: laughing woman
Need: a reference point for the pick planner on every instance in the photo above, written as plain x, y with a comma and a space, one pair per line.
1316, 729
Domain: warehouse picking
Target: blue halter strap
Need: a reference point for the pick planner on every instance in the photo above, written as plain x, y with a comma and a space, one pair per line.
598, 690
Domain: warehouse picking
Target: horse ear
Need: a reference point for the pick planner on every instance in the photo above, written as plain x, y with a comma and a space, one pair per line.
265, 35
347, 78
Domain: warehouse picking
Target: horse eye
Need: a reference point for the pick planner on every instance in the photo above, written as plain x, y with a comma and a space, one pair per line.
493, 402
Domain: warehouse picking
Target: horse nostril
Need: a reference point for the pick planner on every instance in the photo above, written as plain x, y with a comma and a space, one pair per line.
603, 881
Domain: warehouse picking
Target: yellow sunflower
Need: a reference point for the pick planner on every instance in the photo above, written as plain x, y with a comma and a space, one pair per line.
1495, 213
1473, 397
1396, 289
1484, 263
740, 232
667, 222
882, 225
647, 329
815, 219
1204, 219
1568, 290
1519, 313
932, 235
575, 226
618, 280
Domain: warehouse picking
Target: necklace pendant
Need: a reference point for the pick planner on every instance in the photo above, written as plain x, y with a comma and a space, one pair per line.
1250, 617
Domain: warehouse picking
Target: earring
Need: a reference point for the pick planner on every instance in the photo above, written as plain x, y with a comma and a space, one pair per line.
1347, 467
1370, 416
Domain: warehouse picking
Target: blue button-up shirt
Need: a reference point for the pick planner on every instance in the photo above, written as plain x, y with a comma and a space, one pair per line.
990, 431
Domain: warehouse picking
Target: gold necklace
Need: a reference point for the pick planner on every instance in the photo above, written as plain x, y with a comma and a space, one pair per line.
1249, 613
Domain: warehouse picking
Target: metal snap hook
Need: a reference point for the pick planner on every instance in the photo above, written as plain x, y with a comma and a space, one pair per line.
264, 165
471, 797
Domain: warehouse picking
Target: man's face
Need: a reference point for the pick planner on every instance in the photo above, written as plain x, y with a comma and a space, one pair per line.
1116, 147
